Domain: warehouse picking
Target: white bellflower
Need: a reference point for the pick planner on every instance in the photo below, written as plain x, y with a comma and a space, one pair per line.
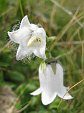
51, 84
31, 39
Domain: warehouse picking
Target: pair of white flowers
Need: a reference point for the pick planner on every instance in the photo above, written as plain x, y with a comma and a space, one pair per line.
32, 39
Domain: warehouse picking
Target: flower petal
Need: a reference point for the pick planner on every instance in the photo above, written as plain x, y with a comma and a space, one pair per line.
47, 79
61, 89
25, 22
50, 80
23, 52
59, 74
36, 92
39, 49
33, 27
42, 79
64, 94
47, 98
67, 96
40, 52
40, 32
47, 83
20, 35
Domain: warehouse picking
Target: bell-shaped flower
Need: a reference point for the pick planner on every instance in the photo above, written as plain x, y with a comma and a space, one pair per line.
31, 39
51, 84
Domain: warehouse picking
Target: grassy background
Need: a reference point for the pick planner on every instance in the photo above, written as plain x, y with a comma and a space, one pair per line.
65, 31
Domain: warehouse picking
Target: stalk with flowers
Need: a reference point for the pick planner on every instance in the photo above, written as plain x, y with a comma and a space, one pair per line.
32, 40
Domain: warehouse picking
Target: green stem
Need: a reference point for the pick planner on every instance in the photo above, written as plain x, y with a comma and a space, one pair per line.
21, 8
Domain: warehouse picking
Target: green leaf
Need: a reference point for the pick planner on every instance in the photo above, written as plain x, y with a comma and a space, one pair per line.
16, 76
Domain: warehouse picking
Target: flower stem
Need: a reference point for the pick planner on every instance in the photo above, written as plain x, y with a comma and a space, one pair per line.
21, 8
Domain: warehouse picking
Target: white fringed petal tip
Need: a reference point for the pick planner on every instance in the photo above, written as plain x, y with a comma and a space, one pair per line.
30, 38
51, 85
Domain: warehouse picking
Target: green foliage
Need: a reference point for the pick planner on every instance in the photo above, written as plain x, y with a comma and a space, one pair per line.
22, 76
16, 76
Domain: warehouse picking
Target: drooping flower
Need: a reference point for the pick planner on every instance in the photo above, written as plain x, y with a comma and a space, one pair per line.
31, 39
51, 84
